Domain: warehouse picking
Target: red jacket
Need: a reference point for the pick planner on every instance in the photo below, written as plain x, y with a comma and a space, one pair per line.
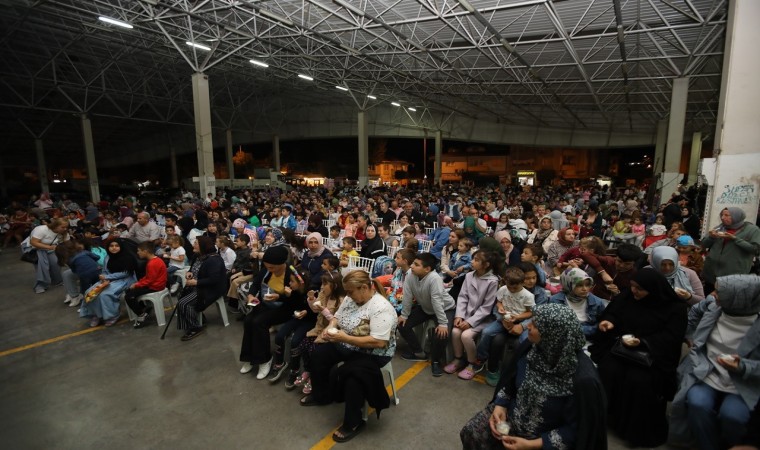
155, 275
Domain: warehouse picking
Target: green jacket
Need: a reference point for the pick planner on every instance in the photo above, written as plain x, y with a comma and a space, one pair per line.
731, 257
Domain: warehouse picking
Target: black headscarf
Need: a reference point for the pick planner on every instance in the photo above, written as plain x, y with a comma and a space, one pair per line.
657, 285
123, 261
371, 247
186, 225
201, 219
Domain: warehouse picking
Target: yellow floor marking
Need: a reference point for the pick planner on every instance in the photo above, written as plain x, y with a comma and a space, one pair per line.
327, 441
11, 351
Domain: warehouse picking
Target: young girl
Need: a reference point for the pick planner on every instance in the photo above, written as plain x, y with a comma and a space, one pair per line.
449, 250
303, 320
503, 222
533, 254
639, 229
404, 259
658, 229
419, 231
461, 261
474, 305
351, 225
175, 258
223, 244
324, 306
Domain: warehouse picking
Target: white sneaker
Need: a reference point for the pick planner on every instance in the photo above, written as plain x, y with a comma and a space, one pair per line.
76, 300
68, 299
247, 367
174, 288
264, 370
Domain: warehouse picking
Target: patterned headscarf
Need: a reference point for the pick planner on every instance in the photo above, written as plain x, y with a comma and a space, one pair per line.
278, 237
551, 365
739, 295
678, 277
571, 278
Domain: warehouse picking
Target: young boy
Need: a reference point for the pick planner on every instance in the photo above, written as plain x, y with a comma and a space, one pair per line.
424, 286
330, 264
461, 261
153, 281
348, 250
175, 259
514, 304
533, 254
334, 243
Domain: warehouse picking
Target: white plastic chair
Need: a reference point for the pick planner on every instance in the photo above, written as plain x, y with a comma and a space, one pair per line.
392, 251
300, 230
394, 224
328, 223
182, 275
359, 263
157, 298
429, 230
386, 369
425, 245
222, 311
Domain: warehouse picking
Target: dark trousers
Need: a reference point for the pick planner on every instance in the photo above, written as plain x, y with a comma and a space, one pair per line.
323, 358
438, 345
131, 295
499, 344
298, 328
256, 346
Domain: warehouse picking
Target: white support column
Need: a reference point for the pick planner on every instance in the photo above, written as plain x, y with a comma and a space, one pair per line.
363, 149
89, 149
203, 141
659, 150
438, 151
230, 163
696, 152
737, 175
276, 153
41, 167
670, 175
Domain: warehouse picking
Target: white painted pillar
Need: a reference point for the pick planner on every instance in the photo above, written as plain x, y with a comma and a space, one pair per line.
670, 175
438, 151
363, 149
659, 149
89, 149
230, 162
276, 153
696, 151
203, 141
737, 175
41, 167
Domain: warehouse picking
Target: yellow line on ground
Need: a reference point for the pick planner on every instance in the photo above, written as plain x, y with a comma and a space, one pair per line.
11, 351
327, 441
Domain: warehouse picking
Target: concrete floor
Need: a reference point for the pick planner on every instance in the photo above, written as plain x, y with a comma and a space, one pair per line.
122, 388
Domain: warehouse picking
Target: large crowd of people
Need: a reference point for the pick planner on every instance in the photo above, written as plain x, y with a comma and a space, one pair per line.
585, 309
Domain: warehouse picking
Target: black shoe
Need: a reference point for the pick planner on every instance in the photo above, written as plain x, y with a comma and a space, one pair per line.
277, 371
435, 368
411, 356
192, 334
290, 382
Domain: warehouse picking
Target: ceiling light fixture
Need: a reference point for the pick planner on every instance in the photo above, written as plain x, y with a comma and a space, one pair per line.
118, 23
372, 97
411, 109
258, 63
305, 77
341, 88
395, 104
198, 46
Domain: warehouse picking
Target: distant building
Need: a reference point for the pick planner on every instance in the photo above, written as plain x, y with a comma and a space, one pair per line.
389, 173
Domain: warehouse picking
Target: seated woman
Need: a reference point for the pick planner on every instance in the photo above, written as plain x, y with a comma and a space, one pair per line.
720, 379
206, 282
118, 275
683, 280
373, 245
547, 396
565, 241
652, 318
576, 293
512, 252
312, 260
544, 235
362, 335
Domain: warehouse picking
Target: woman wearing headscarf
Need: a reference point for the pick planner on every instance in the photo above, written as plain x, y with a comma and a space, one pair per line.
544, 235
565, 241
471, 229
206, 282
720, 379
118, 275
576, 294
199, 226
312, 259
511, 252
732, 246
373, 245
683, 280
315, 224
559, 221
690, 221
548, 394
649, 317
240, 227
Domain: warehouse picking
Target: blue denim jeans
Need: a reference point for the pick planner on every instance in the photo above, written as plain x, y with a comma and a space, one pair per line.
717, 419
486, 336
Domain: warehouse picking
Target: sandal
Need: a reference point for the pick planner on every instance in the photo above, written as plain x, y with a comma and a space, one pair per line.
307, 388
94, 322
192, 334
454, 366
309, 400
469, 372
346, 434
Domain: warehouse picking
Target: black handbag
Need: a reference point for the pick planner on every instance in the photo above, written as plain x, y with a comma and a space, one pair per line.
30, 256
638, 357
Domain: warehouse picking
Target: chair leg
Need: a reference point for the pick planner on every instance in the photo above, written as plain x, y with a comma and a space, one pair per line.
223, 311
158, 309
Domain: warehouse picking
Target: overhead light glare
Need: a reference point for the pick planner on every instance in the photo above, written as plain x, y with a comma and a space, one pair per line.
259, 63
341, 88
372, 97
411, 109
198, 46
118, 23
395, 104
305, 77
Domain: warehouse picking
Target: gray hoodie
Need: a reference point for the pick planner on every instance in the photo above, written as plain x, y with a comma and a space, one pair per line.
430, 295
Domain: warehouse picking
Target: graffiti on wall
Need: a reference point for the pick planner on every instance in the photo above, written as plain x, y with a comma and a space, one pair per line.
736, 194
